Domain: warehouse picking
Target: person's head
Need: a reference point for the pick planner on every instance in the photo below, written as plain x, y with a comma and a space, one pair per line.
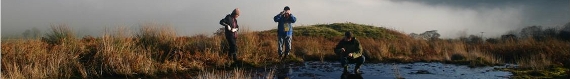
347, 36
235, 13
287, 11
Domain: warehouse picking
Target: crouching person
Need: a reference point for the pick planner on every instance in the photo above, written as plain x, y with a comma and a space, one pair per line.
350, 51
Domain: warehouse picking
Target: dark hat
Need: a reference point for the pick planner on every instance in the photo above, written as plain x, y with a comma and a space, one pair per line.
347, 34
286, 8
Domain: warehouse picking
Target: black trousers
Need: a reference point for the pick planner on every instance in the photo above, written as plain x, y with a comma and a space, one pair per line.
233, 46
344, 61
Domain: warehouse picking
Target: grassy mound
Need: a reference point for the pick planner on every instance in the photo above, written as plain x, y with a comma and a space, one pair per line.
338, 29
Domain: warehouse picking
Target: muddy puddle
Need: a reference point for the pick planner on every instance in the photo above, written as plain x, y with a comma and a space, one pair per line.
434, 70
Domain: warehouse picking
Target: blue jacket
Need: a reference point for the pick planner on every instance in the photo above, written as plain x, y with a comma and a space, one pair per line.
281, 22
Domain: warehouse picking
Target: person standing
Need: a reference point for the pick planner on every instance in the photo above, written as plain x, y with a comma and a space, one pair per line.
350, 51
231, 28
284, 31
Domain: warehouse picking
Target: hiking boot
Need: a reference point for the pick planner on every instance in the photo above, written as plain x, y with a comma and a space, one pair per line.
281, 58
285, 56
238, 63
357, 70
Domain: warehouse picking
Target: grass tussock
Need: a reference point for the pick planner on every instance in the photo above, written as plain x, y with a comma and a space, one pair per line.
60, 34
235, 74
55, 56
155, 49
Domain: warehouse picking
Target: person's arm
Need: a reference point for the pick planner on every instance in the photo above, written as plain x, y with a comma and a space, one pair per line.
338, 49
358, 51
224, 23
292, 18
277, 17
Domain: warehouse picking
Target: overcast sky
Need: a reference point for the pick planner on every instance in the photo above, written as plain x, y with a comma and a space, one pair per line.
190, 17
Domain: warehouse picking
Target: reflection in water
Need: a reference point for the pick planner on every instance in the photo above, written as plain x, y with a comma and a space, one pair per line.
419, 70
351, 76
283, 71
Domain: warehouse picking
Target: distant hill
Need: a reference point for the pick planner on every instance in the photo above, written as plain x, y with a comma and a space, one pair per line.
338, 29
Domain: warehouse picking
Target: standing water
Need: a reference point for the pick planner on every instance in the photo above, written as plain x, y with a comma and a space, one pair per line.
434, 70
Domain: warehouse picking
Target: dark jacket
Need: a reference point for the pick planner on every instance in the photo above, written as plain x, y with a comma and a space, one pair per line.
281, 21
229, 20
352, 46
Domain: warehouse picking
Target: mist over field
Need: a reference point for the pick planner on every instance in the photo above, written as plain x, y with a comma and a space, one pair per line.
450, 18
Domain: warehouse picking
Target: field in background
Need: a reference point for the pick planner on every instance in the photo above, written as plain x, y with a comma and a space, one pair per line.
156, 50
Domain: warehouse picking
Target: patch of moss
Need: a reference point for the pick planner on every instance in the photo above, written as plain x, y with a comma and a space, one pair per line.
553, 72
478, 62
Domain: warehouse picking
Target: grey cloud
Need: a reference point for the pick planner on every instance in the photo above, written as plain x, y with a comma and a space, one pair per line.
190, 17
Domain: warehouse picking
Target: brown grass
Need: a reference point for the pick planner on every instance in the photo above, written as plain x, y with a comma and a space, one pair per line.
235, 74
532, 53
156, 49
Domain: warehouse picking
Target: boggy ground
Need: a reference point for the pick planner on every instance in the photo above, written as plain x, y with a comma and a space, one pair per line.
418, 70
156, 50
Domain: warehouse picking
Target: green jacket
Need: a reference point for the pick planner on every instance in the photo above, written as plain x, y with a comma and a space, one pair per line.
352, 46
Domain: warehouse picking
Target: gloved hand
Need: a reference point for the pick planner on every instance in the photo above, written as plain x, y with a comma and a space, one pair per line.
235, 30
